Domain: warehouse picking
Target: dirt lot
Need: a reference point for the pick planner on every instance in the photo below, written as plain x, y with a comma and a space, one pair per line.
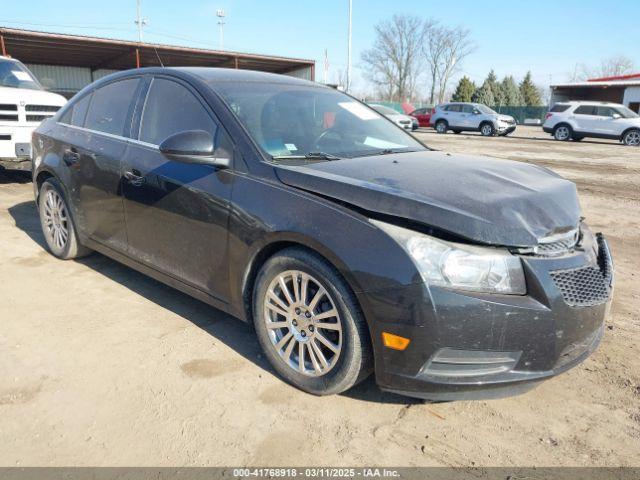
100, 365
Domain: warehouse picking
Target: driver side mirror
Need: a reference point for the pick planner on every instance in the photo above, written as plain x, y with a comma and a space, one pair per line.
192, 146
476, 112
616, 116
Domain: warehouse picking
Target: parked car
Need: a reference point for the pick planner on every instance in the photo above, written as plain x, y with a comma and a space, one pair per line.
23, 105
423, 115
400, 119
577, 120
473, 117
349, 245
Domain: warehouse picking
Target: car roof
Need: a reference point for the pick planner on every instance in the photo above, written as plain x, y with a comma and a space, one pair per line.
587, 102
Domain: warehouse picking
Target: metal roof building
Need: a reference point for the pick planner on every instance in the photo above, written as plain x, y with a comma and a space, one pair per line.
623, 89
66, 63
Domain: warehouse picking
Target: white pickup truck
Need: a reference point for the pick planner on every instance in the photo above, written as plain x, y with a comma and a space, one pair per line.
23, 105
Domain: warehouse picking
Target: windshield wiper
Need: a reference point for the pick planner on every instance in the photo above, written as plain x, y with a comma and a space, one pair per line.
308, 156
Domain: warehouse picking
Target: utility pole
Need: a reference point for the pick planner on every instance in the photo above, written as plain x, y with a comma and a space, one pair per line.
348, 85
140, 22
220, 13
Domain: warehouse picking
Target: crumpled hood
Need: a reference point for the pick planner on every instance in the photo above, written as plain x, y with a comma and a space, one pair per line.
486, 200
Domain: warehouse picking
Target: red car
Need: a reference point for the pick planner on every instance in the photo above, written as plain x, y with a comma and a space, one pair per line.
423, 115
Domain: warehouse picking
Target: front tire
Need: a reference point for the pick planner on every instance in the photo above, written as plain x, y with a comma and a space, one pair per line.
487, 130
309, 324
632, 138
441, 126
56, 222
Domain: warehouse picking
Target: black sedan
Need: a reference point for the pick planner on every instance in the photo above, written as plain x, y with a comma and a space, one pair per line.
351, 246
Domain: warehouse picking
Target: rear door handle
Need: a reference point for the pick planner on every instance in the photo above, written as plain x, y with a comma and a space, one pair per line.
134, 177
70, 156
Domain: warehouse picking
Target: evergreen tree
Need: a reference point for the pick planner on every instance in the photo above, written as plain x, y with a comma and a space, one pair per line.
464, 91
492, 82
484, 95
529, 92
511, 93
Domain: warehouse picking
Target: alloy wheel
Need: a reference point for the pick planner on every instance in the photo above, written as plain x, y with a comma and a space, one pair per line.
303, 323
487, 130
632, 138
56, 220
562, 133
441, 127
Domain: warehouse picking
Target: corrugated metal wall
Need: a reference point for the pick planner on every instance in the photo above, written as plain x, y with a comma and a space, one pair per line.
61, 79
304, 73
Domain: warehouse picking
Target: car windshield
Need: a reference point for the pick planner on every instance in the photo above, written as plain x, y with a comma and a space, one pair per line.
626, 112
14, 74
384, 110
487, 110
291, 121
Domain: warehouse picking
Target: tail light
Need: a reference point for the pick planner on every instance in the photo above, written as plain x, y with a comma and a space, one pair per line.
548, 115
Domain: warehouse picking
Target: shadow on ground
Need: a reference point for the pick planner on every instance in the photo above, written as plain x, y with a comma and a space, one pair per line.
232, 332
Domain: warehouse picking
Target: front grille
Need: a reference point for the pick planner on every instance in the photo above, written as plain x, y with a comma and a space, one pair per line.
41, 108
9, 106
582, 287
556, 248
37, 118
9, 118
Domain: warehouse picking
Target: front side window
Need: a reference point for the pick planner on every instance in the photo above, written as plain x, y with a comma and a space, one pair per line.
15, 75
290, 120
169, 109
468, 109
110, 107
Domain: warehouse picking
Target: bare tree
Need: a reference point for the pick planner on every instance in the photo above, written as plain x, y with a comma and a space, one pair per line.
610, 67
444, 49
394, 60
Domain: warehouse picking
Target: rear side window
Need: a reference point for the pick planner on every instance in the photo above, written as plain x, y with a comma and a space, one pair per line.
453, 108
110, 107
585, 110
80, 111
171, 108
559, 107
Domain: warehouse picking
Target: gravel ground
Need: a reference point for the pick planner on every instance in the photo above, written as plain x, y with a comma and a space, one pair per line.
102, 366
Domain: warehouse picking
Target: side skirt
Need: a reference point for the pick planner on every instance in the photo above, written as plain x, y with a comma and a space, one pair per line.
163, 278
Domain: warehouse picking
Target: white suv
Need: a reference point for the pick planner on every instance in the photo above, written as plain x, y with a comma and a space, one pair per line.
460, 117
23, 105
577, 120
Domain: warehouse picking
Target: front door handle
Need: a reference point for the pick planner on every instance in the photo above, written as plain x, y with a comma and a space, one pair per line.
70, 156
134, 177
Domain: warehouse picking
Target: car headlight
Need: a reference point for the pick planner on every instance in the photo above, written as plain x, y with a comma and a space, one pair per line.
459, 266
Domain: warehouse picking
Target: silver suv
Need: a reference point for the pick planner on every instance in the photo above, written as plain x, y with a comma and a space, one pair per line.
475, 117
577, 120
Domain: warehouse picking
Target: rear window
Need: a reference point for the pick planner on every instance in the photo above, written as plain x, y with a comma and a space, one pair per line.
559, 107
585, 110
110, 107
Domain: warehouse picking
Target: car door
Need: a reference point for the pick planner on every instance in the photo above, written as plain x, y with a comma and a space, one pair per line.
453, 114
176, 213
585, 119
468, 118
608, 124
95, 144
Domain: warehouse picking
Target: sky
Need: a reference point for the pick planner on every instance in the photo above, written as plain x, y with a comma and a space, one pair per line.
547, 37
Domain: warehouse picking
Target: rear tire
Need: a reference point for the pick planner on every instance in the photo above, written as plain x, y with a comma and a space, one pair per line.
457, 132
632, 138
57, 224
330, 332
442, 126
487, 129
563, 132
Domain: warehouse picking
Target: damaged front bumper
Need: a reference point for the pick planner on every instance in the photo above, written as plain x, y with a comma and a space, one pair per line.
468, 345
